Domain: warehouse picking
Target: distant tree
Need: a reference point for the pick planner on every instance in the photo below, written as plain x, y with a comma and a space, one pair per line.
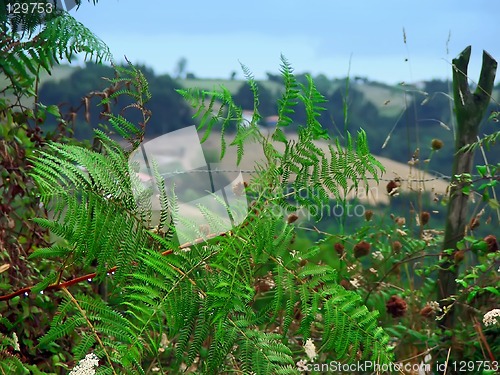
180, 68
244, 98
274, 78
361, 80
233, 75
171, 112
323, 84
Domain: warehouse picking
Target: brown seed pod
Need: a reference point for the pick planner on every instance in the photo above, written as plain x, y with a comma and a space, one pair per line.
396, 306
339, 248
361, 249
492, 243
346, 284
368, 215
424, 218
459, 256
392, 187
292, 218
396, 247
437, 144
474, 223
400, 221
427, 312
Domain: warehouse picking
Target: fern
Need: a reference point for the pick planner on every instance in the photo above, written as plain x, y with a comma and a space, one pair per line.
290, 96
235, 300
62, 37
208, 116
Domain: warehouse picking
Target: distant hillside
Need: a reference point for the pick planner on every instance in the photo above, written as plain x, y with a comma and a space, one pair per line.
398, 120
58, 73
377, 194
388, 99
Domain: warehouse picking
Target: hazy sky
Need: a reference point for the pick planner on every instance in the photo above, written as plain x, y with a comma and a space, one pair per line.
317, 36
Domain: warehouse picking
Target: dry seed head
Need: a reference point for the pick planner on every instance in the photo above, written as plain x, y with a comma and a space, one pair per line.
339, 248
474, 223
427, 312
396, 247
459, 256
492, 243
361, 249
368, 215
437, 144
424, 218
392, 188
396, 306
292, 218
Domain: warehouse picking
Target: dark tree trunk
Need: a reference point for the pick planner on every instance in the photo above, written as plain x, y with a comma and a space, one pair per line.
469, 110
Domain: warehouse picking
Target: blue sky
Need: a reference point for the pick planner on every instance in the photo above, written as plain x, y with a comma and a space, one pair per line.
316, 36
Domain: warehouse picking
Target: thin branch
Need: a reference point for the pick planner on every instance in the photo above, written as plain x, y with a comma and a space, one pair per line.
89, 323
90, 276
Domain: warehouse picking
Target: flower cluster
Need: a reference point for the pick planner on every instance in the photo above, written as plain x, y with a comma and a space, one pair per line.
86, 365
490, 318
310, 349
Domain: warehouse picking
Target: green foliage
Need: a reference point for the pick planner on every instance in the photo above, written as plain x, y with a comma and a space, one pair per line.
61, 38
30, 15
302, 167
240, 300
487, 141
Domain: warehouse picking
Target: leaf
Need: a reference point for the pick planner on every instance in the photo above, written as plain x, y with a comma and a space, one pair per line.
482, 170
53, 110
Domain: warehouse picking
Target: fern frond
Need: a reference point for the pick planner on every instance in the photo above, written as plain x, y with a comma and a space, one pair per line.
61, 37
290, 96
313, 101
348, 325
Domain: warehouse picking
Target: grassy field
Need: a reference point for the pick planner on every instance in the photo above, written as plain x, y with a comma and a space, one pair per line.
377, 194
232, 85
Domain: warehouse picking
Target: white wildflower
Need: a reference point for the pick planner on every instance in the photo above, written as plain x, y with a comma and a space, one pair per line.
310, 349
435, 306
355, 281
490, 318
16, 342
302, 365
86, 365
401, 233
378, 255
